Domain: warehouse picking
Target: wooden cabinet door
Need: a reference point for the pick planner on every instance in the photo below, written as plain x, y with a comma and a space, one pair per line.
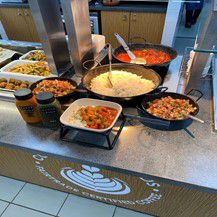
31, 25
147, 25
14, 23
115, 21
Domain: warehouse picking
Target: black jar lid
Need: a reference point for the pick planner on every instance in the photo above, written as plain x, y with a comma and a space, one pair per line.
45, 98
23, 94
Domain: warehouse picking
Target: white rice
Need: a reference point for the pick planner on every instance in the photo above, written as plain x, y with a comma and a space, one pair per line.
76, 120
125, 84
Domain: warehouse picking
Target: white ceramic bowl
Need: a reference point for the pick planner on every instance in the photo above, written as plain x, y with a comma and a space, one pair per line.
76, 105
4, 71
25, 55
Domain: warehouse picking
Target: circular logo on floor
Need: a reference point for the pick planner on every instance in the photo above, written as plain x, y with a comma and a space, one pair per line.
91, 179
105, 185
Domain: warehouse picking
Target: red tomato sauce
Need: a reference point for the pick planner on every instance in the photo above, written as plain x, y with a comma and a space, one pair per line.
151, 56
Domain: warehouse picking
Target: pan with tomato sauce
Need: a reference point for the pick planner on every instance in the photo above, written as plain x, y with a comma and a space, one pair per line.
155, 55
151, 56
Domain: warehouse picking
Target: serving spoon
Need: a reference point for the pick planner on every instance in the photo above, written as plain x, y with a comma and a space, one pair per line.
110, 65
194, 118
133, 58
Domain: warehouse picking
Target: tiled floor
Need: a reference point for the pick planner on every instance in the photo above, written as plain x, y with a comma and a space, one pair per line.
20, 199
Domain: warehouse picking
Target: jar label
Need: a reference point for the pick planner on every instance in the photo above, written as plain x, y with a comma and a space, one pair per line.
27, 110
50, 115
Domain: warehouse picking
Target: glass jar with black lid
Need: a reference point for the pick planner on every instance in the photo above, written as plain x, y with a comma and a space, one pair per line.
27, 106
49, 108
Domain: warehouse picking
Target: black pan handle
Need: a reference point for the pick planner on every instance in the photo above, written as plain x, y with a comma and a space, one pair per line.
148, 120
80, 91
137, 37
160, 89
198, 91
138, 108
163, 89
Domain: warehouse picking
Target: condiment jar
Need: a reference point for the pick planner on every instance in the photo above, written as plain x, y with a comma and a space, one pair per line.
49, 108
27, 106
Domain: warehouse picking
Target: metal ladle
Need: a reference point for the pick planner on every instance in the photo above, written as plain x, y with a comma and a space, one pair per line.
133, 58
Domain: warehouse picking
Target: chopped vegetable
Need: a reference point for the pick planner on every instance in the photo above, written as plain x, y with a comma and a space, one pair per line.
57, 87
99, 117
38, 55
170, 109
37, 68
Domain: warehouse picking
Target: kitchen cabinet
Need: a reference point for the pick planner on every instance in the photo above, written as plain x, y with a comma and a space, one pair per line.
115, 21
146, 25
132, 26
19, 24
31, 25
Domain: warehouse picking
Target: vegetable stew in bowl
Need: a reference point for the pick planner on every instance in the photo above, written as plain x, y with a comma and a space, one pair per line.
91, 115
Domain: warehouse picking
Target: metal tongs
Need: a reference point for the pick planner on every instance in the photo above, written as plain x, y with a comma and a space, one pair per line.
133, 58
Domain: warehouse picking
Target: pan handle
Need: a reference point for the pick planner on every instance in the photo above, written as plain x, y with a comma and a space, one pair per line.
198, 91
160, 89
80, 91
94, 64
137, 37
163, 89
94, 61
148, 120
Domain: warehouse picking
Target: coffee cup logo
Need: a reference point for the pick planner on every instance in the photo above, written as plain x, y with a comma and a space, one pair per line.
90, 178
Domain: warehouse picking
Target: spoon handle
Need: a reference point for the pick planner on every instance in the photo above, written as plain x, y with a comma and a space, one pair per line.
110, 57
194, 118
110, 65
126, 48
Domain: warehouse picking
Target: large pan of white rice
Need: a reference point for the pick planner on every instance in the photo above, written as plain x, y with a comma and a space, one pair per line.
128, 82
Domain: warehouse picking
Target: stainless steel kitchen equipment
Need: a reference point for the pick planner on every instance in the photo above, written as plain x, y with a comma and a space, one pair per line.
94, 22
76, 14
49, 24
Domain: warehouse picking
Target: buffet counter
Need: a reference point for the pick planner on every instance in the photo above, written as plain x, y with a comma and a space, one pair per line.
162, 173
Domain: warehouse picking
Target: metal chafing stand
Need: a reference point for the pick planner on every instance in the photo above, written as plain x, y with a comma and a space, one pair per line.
60, 54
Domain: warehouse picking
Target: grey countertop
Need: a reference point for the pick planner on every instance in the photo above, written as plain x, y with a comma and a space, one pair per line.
172, 155
129, 6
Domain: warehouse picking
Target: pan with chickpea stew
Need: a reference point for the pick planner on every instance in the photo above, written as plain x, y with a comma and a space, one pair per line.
171, 106
62, 88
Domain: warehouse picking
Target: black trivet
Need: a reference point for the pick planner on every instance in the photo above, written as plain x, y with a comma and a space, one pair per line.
89, 137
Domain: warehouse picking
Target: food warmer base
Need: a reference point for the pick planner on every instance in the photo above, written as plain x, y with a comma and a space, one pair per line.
83, 137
